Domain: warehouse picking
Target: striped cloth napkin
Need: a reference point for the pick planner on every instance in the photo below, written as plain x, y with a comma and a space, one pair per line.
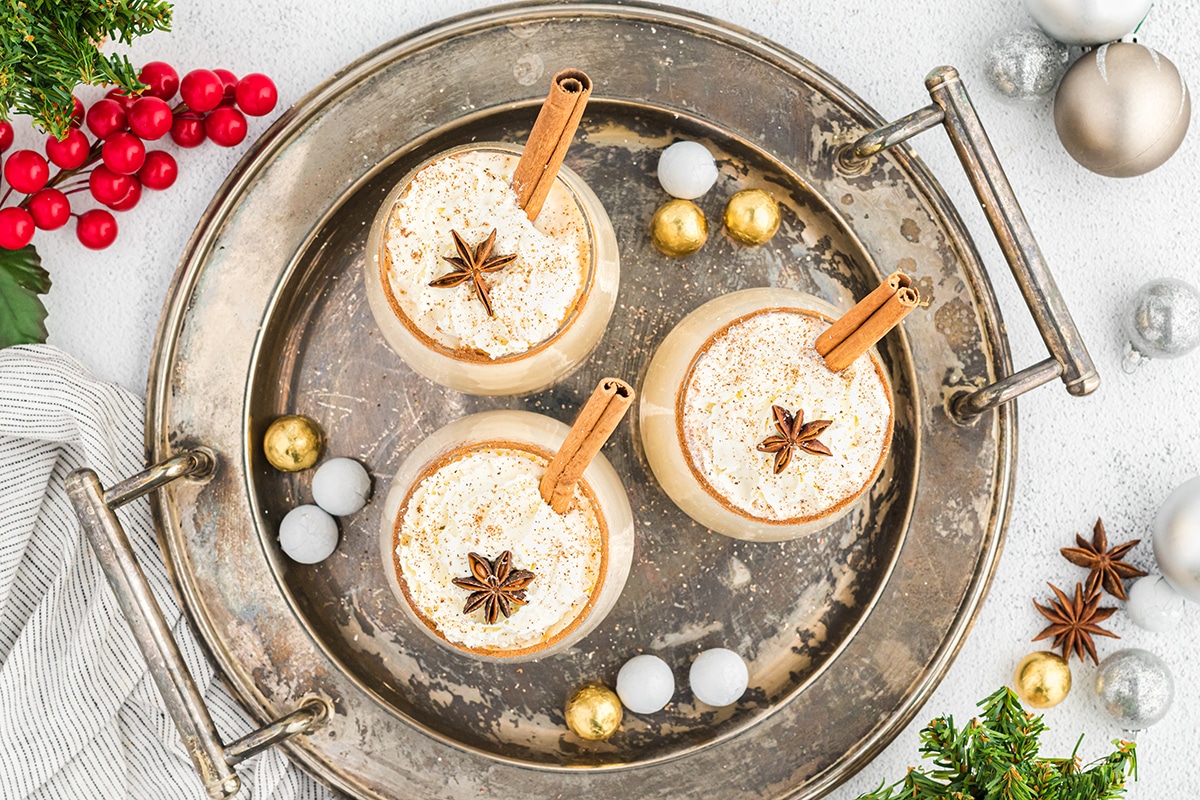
80, 716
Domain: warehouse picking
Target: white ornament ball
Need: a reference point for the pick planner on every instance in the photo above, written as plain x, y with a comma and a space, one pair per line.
719, 677
341, 486
1153, 605
1087, 22
645, 684
686, 170
1024, 65
308, 535
1177, 539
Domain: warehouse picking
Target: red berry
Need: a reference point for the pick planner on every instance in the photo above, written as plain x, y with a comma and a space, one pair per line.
131, 197
119, 96
256, 94
107, 186
201, 89
228, 83
96, 229
123, 153
16, 228
77, 113
161, 79
159, 171
6, 135
26, 171
150, 118
226, 126
188, 129
50, 209
105, 117
69, 152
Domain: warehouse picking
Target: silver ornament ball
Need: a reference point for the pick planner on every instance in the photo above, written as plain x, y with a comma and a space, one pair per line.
1122, 110
1135, 688
1087, 22
1177, 539
1163, 320
1024, 65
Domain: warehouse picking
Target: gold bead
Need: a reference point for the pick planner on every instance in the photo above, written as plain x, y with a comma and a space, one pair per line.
679, 228
752, 217
1043, 679
293, 443
594, 713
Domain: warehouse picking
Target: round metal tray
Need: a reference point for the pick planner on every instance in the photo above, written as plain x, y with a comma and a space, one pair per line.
846, 632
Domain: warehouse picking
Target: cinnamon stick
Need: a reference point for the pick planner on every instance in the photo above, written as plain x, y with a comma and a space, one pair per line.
888, 316
855, 317
550, 138
596, 421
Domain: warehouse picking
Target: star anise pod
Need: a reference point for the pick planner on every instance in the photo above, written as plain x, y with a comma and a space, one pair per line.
1074, 622
794, 435
1107, 567
471, 266
494, 585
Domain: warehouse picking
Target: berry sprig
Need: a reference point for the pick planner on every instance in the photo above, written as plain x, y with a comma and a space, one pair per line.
115, 165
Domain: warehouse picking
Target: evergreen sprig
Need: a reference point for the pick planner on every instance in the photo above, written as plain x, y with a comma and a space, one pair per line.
995, 757
48, 47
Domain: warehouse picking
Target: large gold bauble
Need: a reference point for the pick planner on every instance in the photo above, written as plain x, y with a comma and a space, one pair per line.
1043, 679
752, 217
594, 713
293, 443
1122, 110
678, 228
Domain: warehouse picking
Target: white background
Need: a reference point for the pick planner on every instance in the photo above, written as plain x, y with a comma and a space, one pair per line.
1116, 454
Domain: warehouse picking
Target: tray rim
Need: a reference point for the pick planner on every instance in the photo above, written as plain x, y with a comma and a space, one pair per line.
292, 122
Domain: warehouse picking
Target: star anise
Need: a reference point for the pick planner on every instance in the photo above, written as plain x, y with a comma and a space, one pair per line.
472, 266
1074, 622
494, 585
1107, 568
794, 435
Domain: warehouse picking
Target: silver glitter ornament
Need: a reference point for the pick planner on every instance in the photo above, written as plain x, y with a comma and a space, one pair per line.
1135, 687
1177, 539
1163, 322
1122, 110
1024, 65
1088, 21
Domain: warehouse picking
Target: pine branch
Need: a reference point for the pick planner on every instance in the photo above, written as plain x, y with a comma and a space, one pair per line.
996, 758
48, 47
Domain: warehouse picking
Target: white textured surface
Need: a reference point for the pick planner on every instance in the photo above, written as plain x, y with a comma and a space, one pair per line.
1116, 454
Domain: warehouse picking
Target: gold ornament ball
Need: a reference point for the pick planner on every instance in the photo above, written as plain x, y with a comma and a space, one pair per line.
1122, 110
679, 228
752, 217
594, 713
293, 443
1043, 679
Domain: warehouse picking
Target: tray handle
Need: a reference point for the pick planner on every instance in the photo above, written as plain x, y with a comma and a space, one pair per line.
952, 108
95, 507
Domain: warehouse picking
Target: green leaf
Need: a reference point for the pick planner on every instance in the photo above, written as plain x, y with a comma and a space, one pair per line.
22, 279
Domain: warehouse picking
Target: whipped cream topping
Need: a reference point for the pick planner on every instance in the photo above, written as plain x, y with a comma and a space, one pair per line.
486, 502
533, 297
769, 359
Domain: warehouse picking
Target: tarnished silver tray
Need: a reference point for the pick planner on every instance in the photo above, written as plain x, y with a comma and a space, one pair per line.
846, 633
